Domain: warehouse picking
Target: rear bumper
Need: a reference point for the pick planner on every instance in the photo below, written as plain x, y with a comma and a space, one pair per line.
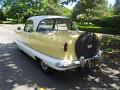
66, 64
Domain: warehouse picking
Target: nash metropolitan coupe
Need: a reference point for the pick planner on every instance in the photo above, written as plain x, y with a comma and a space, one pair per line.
57, 43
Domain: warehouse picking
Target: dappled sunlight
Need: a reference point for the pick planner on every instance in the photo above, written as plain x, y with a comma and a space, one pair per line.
13, 66
90, 78
18, 71
114, 77
5, 54
113, 85
22, 87
111, 71
9, 80
14, 75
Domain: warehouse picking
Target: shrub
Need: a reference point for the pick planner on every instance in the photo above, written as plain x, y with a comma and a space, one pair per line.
104, 30
113, 22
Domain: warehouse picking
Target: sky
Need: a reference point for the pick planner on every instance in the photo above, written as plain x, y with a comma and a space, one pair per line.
70, 6
111, 2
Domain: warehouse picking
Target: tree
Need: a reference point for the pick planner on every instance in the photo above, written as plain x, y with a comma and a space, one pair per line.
67, 12
91, 8
50, 7
2, 16
111, 10
24, 8
27, 8
67, 1
117, 7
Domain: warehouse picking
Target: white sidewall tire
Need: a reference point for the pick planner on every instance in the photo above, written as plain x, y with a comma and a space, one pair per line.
45, 68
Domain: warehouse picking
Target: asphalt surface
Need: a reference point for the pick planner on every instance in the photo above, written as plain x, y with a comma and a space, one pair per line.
19, 72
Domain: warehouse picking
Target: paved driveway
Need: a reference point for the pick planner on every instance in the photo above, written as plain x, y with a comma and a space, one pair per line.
19, 72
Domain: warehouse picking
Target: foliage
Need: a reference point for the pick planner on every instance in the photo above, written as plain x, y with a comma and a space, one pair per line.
107, 25
91, 8
112, 31
112, 42
24, 9
67, 1
67, 12
2, 16
111, 10
113, 22
51, 8
117, 7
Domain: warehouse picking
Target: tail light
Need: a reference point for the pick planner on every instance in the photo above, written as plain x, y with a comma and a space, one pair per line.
65, 47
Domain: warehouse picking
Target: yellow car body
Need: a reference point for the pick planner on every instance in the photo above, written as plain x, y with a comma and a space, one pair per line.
56, 44
52, 43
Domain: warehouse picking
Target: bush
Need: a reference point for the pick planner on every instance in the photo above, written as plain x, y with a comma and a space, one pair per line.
113, 31
113, 22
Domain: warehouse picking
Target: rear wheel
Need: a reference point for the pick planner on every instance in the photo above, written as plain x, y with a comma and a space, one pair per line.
45, 68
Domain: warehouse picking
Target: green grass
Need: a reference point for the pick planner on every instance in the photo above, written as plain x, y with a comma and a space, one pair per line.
95, 27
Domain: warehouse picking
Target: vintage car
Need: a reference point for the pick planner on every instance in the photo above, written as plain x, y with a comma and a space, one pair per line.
57, 43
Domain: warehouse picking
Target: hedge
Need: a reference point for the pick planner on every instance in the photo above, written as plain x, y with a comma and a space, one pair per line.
113, 22
112, 31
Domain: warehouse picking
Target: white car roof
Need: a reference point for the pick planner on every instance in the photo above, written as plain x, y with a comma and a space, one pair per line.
36, 19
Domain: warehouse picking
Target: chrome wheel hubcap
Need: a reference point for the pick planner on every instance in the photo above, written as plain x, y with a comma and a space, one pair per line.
43, 65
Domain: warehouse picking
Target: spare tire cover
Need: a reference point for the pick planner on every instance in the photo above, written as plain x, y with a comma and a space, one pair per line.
87, 45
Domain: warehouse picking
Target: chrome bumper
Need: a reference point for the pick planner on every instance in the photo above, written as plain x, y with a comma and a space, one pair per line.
81, 62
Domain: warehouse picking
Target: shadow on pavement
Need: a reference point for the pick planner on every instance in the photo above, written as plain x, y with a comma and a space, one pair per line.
17, 70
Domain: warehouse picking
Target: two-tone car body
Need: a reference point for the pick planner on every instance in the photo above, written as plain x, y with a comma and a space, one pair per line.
56, 42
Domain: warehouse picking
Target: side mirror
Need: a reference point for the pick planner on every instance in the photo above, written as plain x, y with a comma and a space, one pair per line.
19, 28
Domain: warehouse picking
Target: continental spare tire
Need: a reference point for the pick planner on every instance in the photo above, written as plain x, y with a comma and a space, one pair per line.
87, 45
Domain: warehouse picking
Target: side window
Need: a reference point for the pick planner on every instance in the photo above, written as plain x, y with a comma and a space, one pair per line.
45, 25
61, 25
29, 26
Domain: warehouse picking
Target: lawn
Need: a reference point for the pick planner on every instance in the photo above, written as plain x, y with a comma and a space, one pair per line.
111, 48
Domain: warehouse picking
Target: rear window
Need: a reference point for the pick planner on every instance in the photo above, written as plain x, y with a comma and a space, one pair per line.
55, 25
